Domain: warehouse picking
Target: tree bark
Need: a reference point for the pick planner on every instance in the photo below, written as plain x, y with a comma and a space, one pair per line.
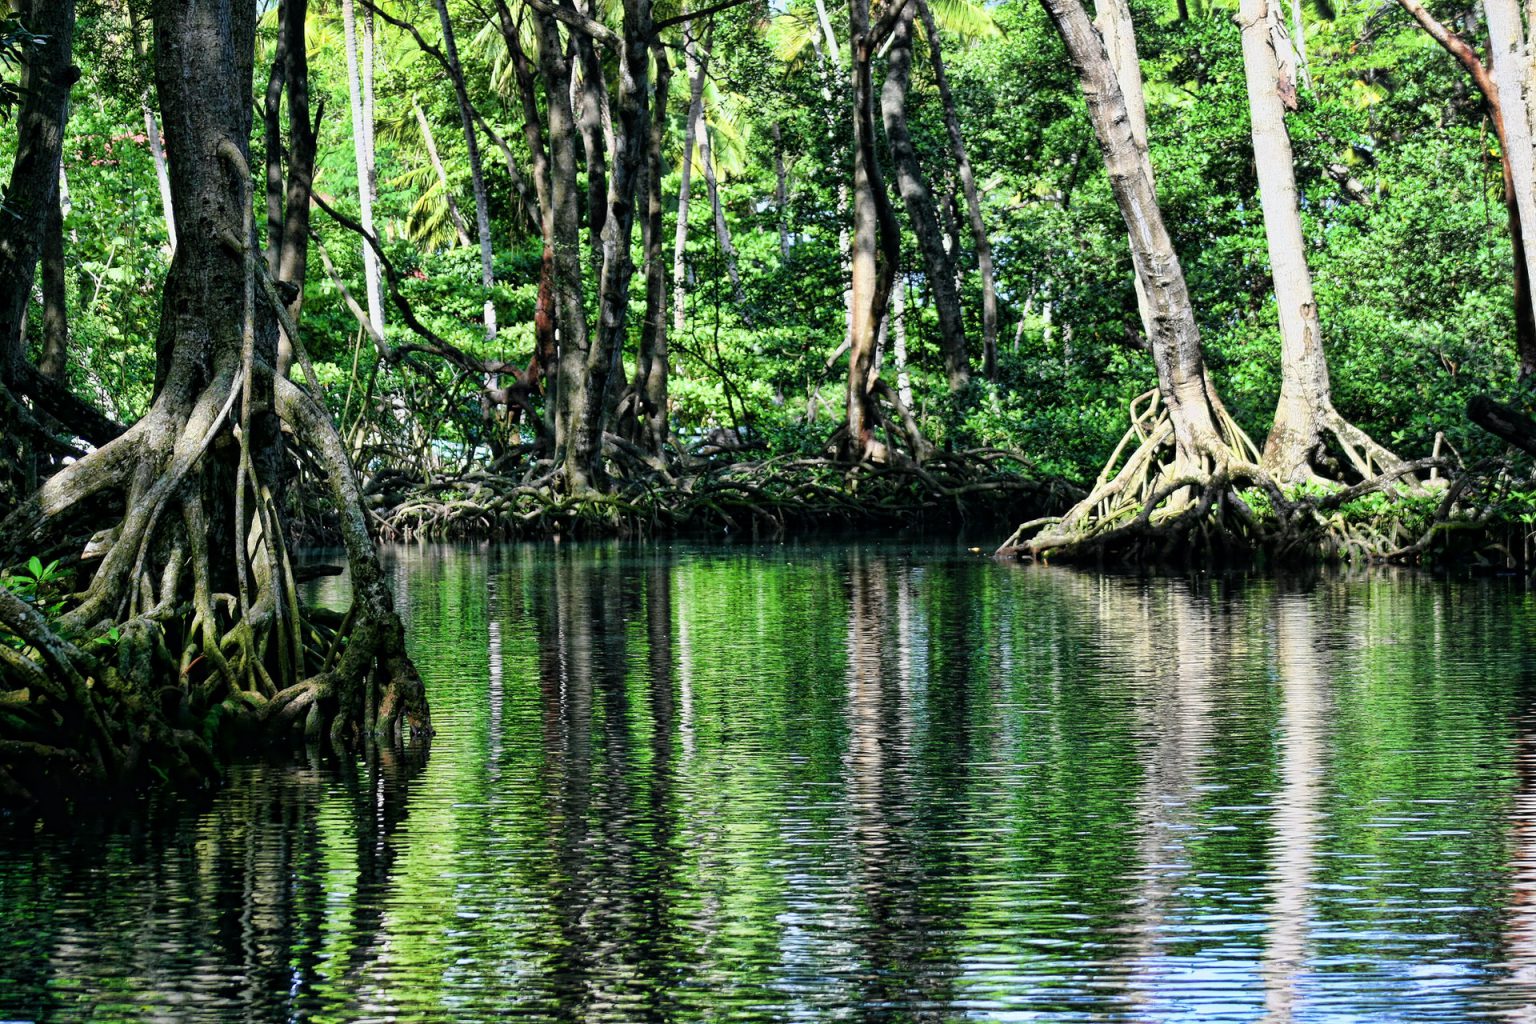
592, 99
476, 168
605, 366
1304, 385
979, 237
1509, 53
918, 199
272, 138
1305, 410
875, 251
545, 346
55, 353
293, 255
574, 448
46, 78
1119, 34
1174, 335
651, 362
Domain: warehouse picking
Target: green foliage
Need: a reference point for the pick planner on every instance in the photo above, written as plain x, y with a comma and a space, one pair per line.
1402, 214
42, 586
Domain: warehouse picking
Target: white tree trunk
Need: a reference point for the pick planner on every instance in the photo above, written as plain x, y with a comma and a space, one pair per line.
361, 134
1119, 34
1511, 58
1304, 386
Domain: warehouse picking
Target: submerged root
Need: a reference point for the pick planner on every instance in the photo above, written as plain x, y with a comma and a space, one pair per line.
148, 652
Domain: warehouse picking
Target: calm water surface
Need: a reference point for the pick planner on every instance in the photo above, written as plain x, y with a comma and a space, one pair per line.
851, 783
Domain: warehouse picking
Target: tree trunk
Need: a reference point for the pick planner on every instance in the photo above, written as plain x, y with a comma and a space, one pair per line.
651, 363
575, 449
55, 311
460, 227
605, 361
875, 249
194, 480
1119, 34
1305, 410
919, 202
476, 169
293, 256
1174, 335
1510, 55
695, 64
46, 78
1525, 312
272, 139
1304, 386
591, 96
362, 137
979, 237
545, 346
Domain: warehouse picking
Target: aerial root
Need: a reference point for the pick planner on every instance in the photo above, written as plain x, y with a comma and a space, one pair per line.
735, 490
1148, 503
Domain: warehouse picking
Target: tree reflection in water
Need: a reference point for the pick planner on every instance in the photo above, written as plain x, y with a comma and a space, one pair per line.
794, 783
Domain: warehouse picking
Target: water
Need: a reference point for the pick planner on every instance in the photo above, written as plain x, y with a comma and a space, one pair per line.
851, 783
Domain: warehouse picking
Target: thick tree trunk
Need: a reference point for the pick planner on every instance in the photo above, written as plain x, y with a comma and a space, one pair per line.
293, 255
46, 78
1525, 312
575, 448
476, 168
605, 361
979, 237
195, 480
460, 226
1173, 333
1510, 54
1305, 411
1304, 386
875, 252
362, 136
695, 65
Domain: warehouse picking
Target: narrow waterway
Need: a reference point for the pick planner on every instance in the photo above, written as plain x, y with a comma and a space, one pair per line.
850, 782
